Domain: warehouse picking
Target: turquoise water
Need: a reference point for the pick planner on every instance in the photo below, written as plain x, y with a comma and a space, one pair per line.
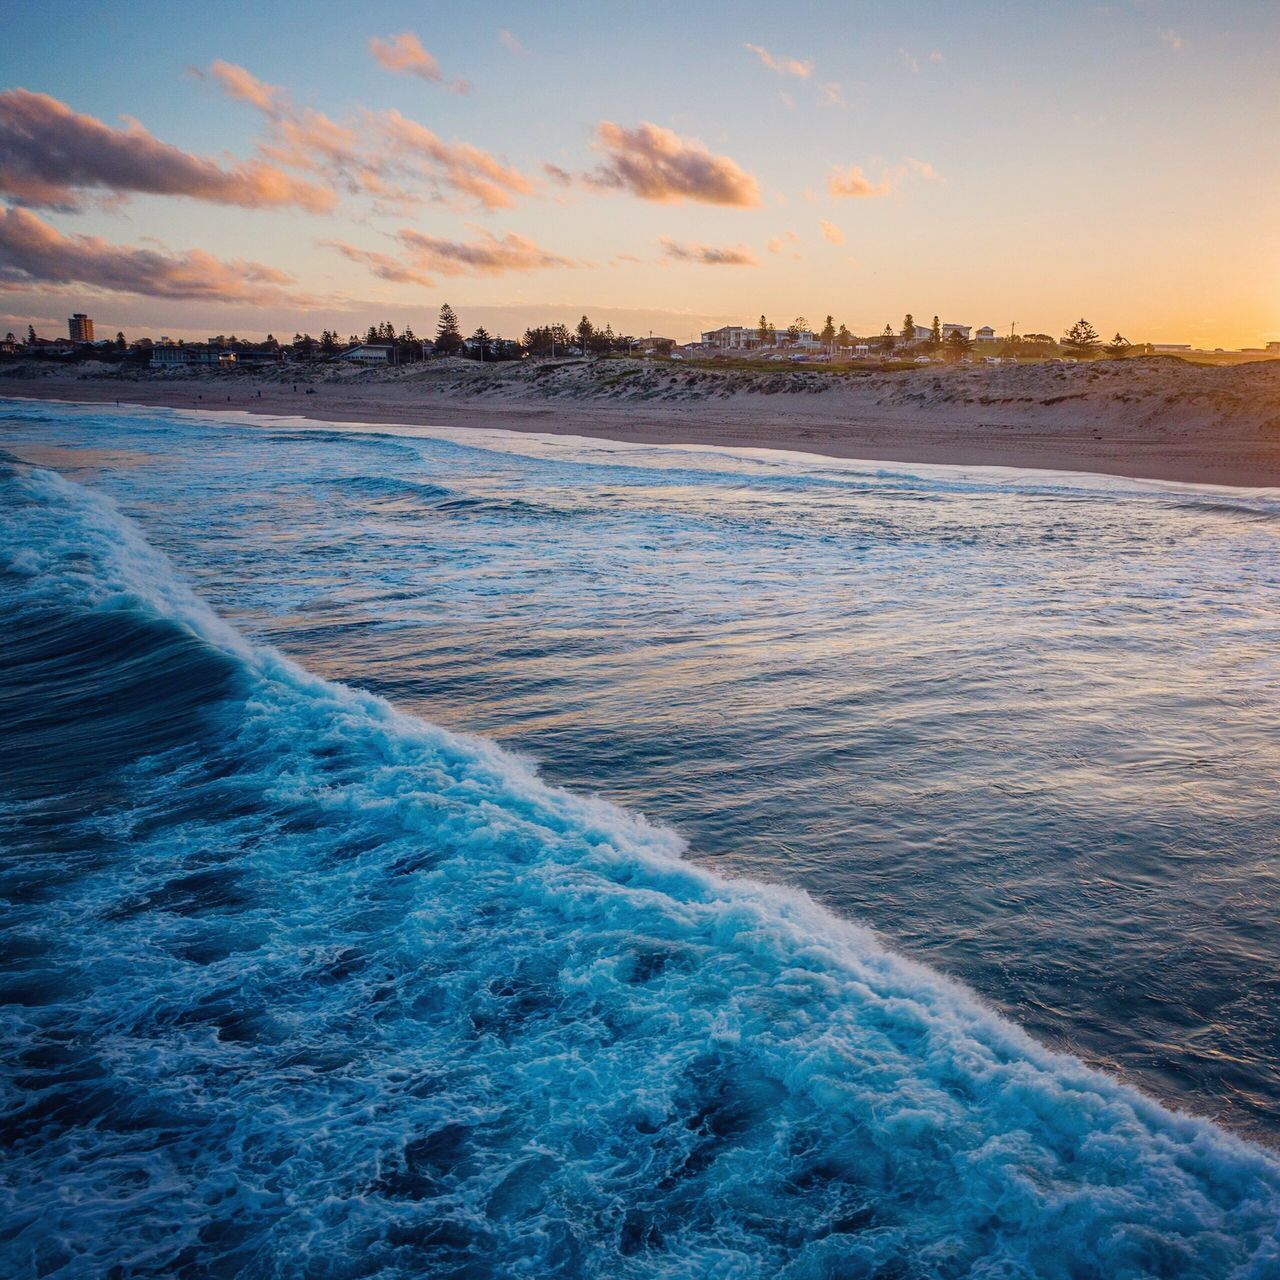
300, 983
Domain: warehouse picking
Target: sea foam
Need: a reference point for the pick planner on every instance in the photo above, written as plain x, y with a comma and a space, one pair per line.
301, 985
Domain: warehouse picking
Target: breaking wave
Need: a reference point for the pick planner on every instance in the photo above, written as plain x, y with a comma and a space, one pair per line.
299, 985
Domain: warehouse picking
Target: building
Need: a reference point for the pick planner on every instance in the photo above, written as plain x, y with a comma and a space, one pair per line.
742, 337
985, 334
1273, 348
372, 353
80, 328
175, 356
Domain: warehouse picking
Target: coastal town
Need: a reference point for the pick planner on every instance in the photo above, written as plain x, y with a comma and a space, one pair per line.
797, 343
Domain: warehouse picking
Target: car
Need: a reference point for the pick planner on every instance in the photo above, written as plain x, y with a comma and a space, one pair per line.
923, 360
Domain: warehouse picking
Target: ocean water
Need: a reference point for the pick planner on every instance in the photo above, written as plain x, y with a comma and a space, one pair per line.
336, 945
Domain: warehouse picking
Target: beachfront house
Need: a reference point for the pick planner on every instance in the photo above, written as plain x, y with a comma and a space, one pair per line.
371, 353
986, 334
746, 337
179, 355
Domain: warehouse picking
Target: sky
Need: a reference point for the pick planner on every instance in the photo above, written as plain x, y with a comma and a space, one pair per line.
664, 168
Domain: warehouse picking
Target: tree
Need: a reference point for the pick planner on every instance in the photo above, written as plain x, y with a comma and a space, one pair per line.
798, 326
1118, 347
586, 331
31, 335
959, 344
764, 332
908, 327
887, 340
1081, 339
480, 341
844, 338
935, 334
828, 334
448, 335
120, 342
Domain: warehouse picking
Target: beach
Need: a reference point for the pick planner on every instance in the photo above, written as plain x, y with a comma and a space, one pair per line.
1155, 418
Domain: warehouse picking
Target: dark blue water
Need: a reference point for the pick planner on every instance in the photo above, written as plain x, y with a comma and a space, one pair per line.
300, 985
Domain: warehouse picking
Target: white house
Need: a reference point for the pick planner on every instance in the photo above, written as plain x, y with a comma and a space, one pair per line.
742, 337
986, 334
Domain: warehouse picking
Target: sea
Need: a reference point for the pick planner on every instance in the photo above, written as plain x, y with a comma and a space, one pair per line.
458, 853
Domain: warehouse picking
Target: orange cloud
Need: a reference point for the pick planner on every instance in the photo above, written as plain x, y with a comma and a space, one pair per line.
785, 66
381, 154
831, 231
33, 252
381, 264
49, 154
487, 256
655, 164
853, 184
405, 55
708, 255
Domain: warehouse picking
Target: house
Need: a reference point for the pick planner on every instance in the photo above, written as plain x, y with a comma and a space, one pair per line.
371, 353
986, 334
174, 356
949, 330
742, 337
861, 348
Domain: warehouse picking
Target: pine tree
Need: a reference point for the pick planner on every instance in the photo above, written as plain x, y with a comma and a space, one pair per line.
448, 334
1082, 338
31, 335
935, 334
764, 333
887, 340
480, 341
586, 331
828, 334
958, 344
1118, 347
908, 327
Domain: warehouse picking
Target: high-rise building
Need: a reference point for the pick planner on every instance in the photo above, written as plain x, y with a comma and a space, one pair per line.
80, 326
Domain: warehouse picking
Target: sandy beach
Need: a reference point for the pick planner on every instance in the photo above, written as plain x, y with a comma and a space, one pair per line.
1161, 419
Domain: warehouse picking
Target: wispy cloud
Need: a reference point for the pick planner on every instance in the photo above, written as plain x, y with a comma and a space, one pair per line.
780, 244
50, 155
655, 164
853, 184
708, 255
382, 265
831, 232
509, 41
784, 66
382, 154
937, 56
1172, 39
405, 55
832, 95
32, 252
487, 256
910, 61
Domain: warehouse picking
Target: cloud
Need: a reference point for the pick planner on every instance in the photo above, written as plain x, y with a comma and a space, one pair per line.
1172, 39
831, 231
50, 154
655, 164
510, 42
33, 252
236, 82
911, 63
381, 264
467, 169
487, 256
780, 244
937, 56
405, 55
561, 177
784, 66
381, 154
708, 255
832, 95
853, 184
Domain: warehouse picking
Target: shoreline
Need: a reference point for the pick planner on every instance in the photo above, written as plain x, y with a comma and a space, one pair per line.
1183, 435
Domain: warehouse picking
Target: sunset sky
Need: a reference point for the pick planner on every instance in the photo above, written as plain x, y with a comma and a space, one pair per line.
245, 168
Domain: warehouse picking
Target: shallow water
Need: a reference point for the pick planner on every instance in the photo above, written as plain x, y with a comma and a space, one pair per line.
341, 994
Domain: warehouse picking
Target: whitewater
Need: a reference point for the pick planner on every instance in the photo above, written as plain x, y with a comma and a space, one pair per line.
300, 984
